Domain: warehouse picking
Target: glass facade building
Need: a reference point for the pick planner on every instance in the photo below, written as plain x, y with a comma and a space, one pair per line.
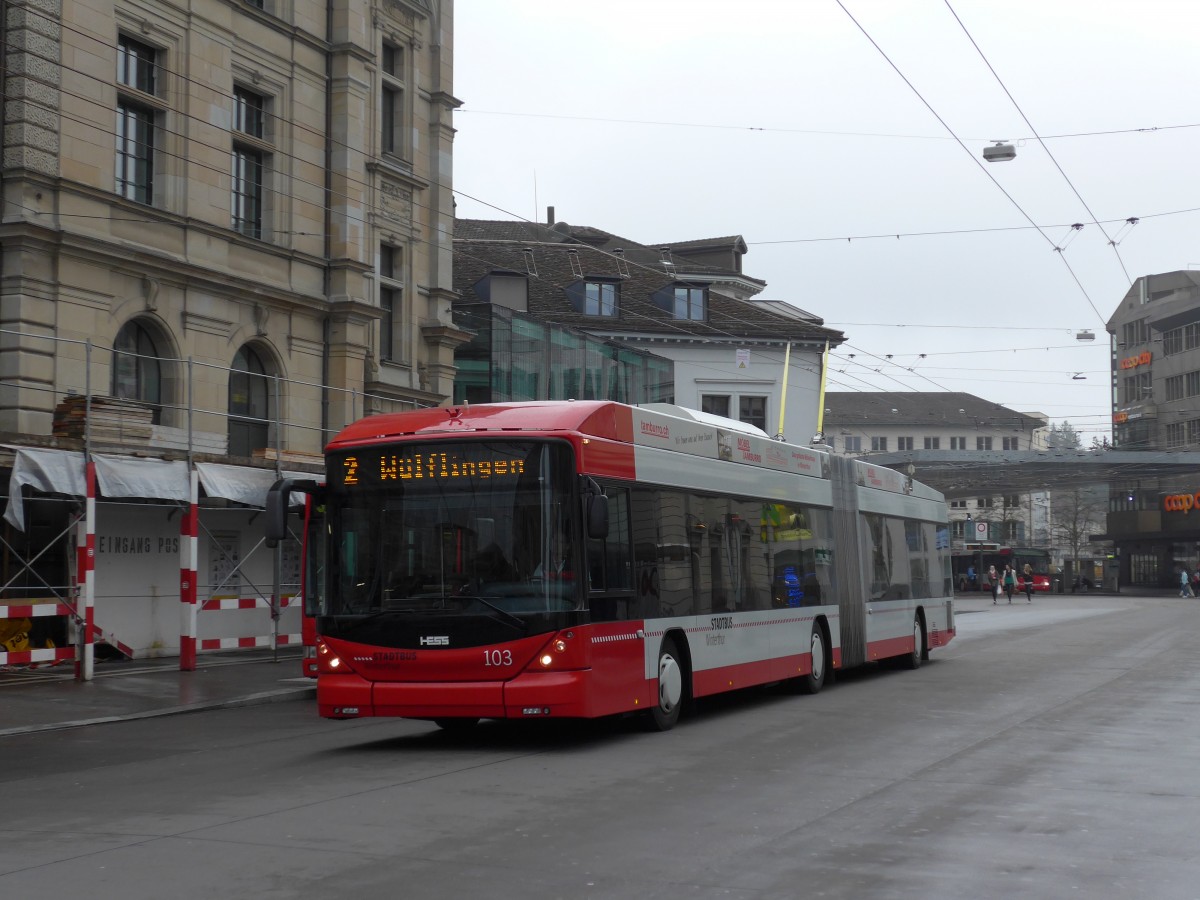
516, 357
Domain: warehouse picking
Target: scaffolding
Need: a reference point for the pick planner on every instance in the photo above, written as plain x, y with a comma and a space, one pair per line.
73, 579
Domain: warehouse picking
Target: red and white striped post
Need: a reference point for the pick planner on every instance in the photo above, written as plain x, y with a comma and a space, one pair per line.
85, 562
189, 538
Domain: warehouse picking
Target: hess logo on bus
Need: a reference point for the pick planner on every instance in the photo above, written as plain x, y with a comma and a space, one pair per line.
436, 640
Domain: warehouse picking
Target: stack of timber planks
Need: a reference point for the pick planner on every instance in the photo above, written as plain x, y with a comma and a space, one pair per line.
112, 420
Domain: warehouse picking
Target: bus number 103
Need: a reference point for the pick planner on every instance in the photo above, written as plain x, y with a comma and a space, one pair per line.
497, 657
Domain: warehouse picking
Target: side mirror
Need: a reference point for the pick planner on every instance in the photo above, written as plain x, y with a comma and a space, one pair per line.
597, 516
279, 498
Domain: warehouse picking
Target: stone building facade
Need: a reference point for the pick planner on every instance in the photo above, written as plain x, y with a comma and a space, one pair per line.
236, 216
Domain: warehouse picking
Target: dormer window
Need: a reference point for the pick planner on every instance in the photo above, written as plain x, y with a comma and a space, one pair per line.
683, 302
691, 303
600, 298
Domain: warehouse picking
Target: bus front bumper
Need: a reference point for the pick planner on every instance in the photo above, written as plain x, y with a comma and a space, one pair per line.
529, 695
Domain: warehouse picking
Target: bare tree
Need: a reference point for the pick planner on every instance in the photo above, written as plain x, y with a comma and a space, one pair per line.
1077, 514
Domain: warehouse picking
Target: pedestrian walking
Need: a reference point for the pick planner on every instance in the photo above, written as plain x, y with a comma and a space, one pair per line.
994, 583
1185, 587
1010, 582
1028, 582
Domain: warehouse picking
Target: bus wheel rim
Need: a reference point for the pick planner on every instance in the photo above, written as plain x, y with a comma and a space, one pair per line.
670, 683
818, 656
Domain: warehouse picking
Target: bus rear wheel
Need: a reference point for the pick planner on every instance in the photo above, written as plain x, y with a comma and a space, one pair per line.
815, 679
670, 694
913, 660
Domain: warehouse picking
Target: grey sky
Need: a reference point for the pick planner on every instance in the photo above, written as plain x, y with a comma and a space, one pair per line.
790, 127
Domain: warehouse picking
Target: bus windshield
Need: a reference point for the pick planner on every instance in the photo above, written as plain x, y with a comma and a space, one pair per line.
469, 526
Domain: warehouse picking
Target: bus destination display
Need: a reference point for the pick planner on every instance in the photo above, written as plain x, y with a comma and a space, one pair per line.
378, 467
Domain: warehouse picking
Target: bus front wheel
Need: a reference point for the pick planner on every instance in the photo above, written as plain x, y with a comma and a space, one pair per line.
669, 699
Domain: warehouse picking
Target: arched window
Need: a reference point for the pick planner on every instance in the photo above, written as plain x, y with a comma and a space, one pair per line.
249, 403
137, 369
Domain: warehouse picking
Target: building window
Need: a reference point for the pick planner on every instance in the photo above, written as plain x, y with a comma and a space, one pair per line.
1012, 531
1193, 431
249, 113
393, 344
958, 504
1192, 384
983, 443
247, 191
879, 444
854, 445
250, 162
392, 111
137, 66
1173, 387
904, 443
933, 443
137, 76
599, 298
1191, 336
135, 152
1135, 333
753, 411
690, 303
1172, 341
137, 367
1012, 501
249, 403
958, 443
958, 530
1012, 443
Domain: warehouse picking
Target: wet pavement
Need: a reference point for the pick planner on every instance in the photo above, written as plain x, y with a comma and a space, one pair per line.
48, 698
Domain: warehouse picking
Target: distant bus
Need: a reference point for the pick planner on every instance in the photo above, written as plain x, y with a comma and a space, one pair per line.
584, 559
977, 557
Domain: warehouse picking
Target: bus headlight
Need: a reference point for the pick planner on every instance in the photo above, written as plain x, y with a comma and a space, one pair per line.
546, 659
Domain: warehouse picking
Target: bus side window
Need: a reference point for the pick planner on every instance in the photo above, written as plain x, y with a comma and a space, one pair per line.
610, 561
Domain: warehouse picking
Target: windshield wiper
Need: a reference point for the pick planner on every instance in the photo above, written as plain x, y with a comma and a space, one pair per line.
504, 614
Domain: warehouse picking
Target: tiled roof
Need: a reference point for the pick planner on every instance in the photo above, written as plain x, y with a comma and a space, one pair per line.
560, 251
920, 408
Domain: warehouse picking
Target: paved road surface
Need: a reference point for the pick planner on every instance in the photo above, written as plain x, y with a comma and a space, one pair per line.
1051, 751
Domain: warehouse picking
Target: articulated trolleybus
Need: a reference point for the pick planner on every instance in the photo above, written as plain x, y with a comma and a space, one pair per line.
587, 558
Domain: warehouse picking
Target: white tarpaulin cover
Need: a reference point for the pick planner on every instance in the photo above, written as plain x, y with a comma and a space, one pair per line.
62, 472
128, 476
48, 471
242, 483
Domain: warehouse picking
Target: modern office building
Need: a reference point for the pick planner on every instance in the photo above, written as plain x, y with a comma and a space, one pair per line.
1155, 334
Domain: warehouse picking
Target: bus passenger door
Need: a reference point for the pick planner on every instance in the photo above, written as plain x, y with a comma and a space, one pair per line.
617, 653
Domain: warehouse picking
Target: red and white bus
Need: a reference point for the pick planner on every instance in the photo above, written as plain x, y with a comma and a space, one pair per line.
588, 558
971, 564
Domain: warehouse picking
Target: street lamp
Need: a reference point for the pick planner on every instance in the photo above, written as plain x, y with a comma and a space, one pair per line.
1000, 152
